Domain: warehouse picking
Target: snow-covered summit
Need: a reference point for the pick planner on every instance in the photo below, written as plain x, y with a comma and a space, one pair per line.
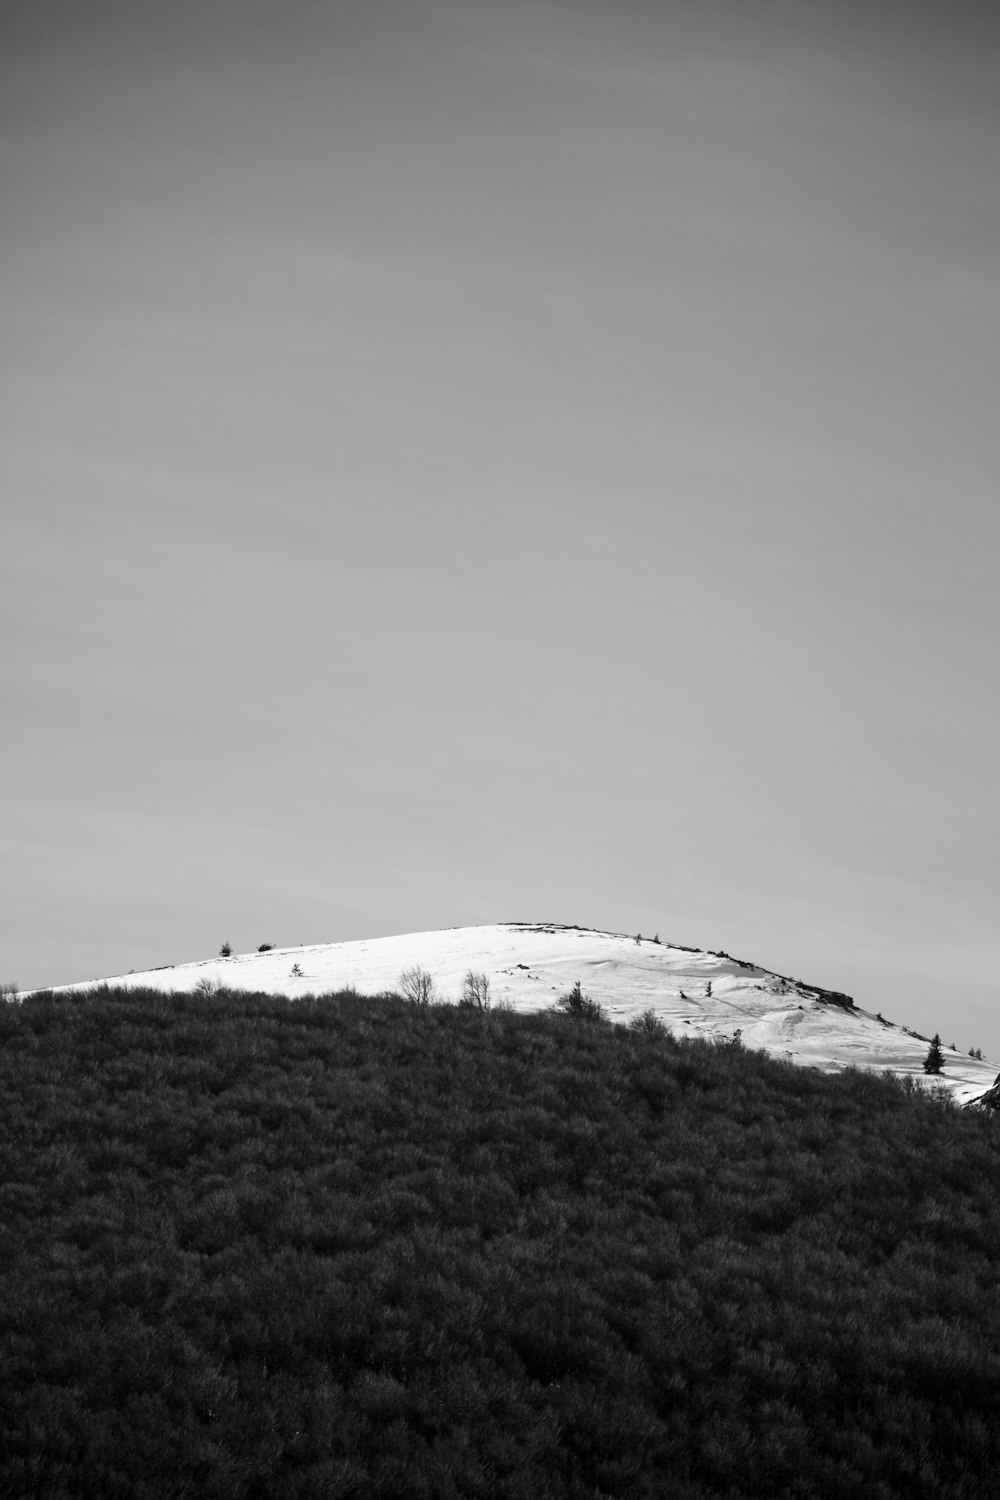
529, 964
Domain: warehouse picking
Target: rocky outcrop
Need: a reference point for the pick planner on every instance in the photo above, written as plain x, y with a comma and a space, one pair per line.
828, 997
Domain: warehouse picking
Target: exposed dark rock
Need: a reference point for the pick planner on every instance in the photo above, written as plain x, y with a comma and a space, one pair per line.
831, 997
989, 1100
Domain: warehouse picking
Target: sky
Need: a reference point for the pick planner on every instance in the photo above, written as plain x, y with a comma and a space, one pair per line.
482, 460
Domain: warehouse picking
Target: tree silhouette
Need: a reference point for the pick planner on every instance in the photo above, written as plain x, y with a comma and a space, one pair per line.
934, 1061
416, 986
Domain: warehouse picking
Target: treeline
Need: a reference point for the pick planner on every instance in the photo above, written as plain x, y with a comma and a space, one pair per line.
348, 1247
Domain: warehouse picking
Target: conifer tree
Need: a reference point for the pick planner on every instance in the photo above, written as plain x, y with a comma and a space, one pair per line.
934, 1061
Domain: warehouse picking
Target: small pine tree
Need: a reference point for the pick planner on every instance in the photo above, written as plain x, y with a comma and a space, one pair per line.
226, 949
934, 1061
576, 1003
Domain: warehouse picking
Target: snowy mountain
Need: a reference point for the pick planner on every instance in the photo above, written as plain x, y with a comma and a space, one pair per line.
528, 965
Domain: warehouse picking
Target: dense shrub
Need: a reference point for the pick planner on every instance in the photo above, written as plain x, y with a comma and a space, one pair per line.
650, 1025
582, 1007
349, 1247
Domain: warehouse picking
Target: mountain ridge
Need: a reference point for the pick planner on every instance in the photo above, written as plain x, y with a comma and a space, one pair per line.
695, 992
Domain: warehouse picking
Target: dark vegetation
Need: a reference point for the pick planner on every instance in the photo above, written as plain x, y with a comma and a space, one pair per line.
580, 1006
934, 1061
348, 1247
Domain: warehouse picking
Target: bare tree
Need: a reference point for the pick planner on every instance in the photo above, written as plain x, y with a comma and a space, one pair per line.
476, 991
416, 986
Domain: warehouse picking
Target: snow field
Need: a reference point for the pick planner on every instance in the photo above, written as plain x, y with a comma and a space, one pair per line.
529, 965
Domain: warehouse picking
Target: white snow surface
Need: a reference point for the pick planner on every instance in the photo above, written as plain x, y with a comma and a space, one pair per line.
530, 964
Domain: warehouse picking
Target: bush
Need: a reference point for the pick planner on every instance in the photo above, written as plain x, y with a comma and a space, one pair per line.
226, 950
582, 1007
264, 947
649, 1025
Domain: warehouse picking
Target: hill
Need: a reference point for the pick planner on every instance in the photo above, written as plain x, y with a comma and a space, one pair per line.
358, 1248
711, 995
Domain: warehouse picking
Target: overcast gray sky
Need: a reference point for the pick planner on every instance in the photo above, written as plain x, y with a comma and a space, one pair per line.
468, 460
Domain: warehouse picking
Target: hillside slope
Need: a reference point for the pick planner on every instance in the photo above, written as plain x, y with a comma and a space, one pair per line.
367, 1250
529, 964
